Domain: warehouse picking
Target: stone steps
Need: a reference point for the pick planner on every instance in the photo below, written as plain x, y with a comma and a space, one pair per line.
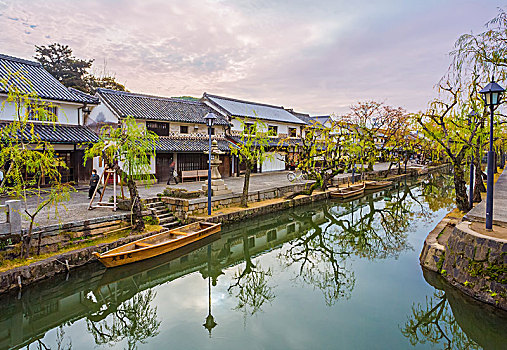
165, 217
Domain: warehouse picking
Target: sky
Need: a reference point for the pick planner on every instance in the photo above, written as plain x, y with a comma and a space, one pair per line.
317, 57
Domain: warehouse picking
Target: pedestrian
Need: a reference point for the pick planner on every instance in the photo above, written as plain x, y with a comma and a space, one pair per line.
171, 174
94, 181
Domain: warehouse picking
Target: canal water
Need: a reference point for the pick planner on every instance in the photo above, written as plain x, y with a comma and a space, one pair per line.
331, 275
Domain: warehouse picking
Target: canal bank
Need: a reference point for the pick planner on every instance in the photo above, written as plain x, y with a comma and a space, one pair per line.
312, 276
22, 276
468, 256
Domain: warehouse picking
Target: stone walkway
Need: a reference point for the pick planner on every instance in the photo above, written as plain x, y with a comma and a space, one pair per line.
77, 207
478, 213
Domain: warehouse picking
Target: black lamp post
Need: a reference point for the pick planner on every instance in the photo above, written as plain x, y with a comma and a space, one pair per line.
492, 95
471, 189
210, 120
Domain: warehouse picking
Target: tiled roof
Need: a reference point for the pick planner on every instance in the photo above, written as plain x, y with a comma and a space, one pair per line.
157, 108
56, 133
239, 108
177, 144
303, 116
41, 82
272, 141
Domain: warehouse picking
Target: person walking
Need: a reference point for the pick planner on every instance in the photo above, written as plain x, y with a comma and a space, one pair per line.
171, 174
94, 181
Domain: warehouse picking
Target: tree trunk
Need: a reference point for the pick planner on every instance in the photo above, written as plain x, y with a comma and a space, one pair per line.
478, 183
244, 196
137, 215
27, 241
460, 187
137, 208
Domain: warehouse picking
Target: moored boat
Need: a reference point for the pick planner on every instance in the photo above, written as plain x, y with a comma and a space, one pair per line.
377, 185
348, 192
157, 244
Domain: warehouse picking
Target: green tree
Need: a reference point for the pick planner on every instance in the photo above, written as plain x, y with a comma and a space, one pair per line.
73, 72
322, 154
452, 129
478, 57
29, 163
58, 60
251, 149
128, 150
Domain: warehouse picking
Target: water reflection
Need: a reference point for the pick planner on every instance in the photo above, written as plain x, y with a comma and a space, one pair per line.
455, 321
315, 244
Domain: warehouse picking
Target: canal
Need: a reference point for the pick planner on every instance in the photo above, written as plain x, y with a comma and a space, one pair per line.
331, 275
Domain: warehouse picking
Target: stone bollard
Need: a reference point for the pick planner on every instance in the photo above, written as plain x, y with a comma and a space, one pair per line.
14, 215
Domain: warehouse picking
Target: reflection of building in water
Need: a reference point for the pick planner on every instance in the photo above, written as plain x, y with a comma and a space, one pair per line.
95, 293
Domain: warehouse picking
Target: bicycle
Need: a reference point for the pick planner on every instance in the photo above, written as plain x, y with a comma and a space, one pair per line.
296, 175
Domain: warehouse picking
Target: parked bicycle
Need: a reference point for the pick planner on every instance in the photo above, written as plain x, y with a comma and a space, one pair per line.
297, 175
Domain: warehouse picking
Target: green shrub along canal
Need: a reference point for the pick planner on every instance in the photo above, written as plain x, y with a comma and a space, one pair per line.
326, 276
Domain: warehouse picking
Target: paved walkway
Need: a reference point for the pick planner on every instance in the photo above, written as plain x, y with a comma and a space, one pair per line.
478, 213
77, 207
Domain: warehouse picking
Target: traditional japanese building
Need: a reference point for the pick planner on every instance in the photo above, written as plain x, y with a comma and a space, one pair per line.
285, 128
68, 136
180, 125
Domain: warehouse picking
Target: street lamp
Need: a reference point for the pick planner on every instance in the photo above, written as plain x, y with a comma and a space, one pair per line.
471, 189
210, 120
492, 95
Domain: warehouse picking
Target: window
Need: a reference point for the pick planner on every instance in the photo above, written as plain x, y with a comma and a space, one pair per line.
249, 128
293, 132
183, 129
161, 129
272, 130
271, 235
34, 113
251, 242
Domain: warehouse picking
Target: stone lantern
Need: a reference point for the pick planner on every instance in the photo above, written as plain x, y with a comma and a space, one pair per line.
218, 185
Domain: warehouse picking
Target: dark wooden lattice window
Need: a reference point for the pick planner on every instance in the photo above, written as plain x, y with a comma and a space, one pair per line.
161, 129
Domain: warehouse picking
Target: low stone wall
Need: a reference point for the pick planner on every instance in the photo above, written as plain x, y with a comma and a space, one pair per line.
477, 265
433, 253
185, 208
55, 237
21, 276
262, 210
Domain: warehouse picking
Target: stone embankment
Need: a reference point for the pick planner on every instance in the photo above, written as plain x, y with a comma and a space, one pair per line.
17, 278
469, 257
53, 239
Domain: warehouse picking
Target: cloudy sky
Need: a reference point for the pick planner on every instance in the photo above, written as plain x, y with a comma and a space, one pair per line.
315, 56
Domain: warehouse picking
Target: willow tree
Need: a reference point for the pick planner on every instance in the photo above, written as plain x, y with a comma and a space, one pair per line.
30, 165
128, 150
251, 148
481, 56
322, 154
448, 123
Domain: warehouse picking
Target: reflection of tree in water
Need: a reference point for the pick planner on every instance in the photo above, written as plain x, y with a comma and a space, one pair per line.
369, 228
61, 343
134, 320
438, 191
250, 286
434, 323
320, 258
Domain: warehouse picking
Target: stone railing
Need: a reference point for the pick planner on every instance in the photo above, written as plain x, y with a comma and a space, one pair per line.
12, 223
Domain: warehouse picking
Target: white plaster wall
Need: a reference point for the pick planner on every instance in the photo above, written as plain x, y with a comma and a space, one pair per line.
67, 113
283, 128
101, 114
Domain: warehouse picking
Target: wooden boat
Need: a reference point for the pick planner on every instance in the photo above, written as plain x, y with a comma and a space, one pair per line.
158, 244
377, 185
348, 192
